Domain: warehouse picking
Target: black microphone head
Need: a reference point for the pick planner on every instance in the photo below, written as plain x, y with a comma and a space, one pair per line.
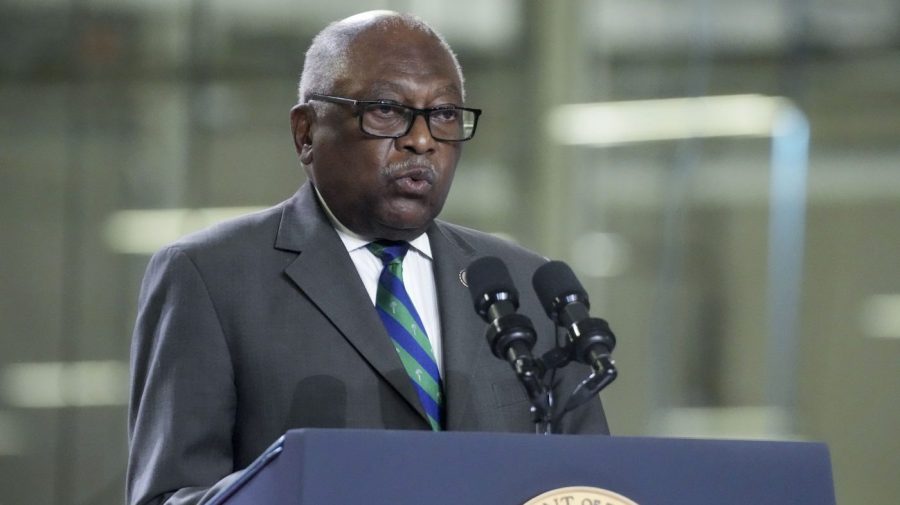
487, 277
554, 282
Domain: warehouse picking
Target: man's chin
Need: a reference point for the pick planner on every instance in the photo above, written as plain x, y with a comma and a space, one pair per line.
403, 229
397, 233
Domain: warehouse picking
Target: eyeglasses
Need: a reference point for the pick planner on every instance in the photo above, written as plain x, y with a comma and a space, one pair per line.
387, 119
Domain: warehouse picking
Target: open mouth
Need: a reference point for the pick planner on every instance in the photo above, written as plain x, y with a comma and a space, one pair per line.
415, 181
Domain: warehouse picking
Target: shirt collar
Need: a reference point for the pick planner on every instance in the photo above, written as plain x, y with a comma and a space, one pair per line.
353, 241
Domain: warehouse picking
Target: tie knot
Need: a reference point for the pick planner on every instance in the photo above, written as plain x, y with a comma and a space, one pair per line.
388, 251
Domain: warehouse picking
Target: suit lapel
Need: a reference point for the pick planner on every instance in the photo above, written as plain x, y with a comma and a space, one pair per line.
327, 277
461, 329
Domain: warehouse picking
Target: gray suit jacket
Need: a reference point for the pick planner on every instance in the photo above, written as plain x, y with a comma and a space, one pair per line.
261, 324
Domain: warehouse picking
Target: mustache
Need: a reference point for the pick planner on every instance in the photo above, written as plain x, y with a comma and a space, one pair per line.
414, 168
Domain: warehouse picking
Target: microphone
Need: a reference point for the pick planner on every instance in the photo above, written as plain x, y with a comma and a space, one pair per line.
510, 335
567, 304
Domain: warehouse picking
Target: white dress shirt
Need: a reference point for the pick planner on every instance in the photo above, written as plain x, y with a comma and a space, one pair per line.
418, 276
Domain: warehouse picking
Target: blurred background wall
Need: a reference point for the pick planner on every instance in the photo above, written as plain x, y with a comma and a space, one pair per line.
740, 313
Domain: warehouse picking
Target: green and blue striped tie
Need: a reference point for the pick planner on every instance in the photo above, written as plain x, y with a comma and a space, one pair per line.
405, 327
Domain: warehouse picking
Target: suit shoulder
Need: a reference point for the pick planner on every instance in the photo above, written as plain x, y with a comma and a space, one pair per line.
225, 241
236, 232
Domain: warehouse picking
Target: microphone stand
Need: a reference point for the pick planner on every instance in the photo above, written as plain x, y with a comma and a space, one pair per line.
540, 396
531, 373
603, 374
591, 386
514, 333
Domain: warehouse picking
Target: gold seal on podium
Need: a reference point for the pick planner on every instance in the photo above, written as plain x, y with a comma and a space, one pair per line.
580, 495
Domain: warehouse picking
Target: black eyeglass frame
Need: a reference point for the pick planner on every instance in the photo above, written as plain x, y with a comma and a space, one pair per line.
359, 105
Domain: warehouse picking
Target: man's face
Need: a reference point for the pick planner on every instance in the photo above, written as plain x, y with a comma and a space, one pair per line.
384, 187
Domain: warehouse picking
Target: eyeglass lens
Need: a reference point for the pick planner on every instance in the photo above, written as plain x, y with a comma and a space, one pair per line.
393, 120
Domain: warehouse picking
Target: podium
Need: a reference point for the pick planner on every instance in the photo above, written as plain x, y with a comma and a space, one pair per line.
325, 466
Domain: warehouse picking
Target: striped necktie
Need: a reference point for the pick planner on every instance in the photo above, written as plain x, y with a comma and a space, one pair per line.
405, 327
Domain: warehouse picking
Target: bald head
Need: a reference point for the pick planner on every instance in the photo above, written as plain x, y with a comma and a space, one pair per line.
328, 58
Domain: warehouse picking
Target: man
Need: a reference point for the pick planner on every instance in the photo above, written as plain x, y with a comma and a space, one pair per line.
277, 320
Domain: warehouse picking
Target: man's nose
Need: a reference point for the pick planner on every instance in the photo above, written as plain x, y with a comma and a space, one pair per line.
418, 139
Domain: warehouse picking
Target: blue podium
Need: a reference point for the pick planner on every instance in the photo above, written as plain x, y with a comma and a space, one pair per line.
321, 467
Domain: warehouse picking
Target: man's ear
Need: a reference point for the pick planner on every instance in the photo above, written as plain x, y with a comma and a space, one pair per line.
302, 117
